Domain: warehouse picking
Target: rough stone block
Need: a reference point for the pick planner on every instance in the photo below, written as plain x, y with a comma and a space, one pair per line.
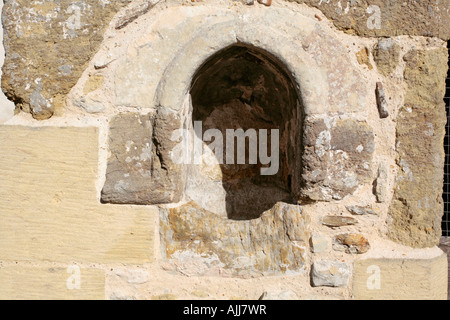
140, 169
330, 274
400, 279
49, 203
417, 207
51, 283
59, 54
386, 55
319, 243
337, 158
198, 242
351, 243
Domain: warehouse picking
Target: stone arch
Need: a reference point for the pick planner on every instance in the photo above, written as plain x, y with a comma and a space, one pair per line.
172, 95
246, 109
329, 85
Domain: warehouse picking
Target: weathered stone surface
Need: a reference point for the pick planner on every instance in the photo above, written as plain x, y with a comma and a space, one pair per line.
338, 221
380, 184
400, 279
361, 211
49, 202
351, 243
416, 209
330, 274
53, 41
39, 283
337, 158
198, 242
363, 58
386, 55
168, 176
90, 105
383, 18
319, 243
134, 174
128, 175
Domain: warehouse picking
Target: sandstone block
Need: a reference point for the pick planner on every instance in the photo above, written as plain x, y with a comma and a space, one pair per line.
416, 208
50, 207
400, 279
387, 56
51, 283
58, 39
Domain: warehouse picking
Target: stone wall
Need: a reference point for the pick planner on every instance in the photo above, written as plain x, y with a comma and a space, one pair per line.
95, 182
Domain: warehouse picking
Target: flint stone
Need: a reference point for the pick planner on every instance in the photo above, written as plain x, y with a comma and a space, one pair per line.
360, 211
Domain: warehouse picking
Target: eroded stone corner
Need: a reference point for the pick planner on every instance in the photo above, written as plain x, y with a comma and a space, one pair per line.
416, 209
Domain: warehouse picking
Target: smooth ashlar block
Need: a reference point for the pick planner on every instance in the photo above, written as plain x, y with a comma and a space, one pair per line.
49, 204
51, 283
401, 279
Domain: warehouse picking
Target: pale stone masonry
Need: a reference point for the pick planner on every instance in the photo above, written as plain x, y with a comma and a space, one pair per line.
98, 202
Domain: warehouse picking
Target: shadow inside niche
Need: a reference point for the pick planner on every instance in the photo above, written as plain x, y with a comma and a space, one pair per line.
242, 87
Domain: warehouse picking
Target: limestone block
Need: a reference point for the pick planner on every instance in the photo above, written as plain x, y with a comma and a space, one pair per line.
416, 208
337, 157
400, 279
49, 203
319, 243
327, 273
51, 283
198, 242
